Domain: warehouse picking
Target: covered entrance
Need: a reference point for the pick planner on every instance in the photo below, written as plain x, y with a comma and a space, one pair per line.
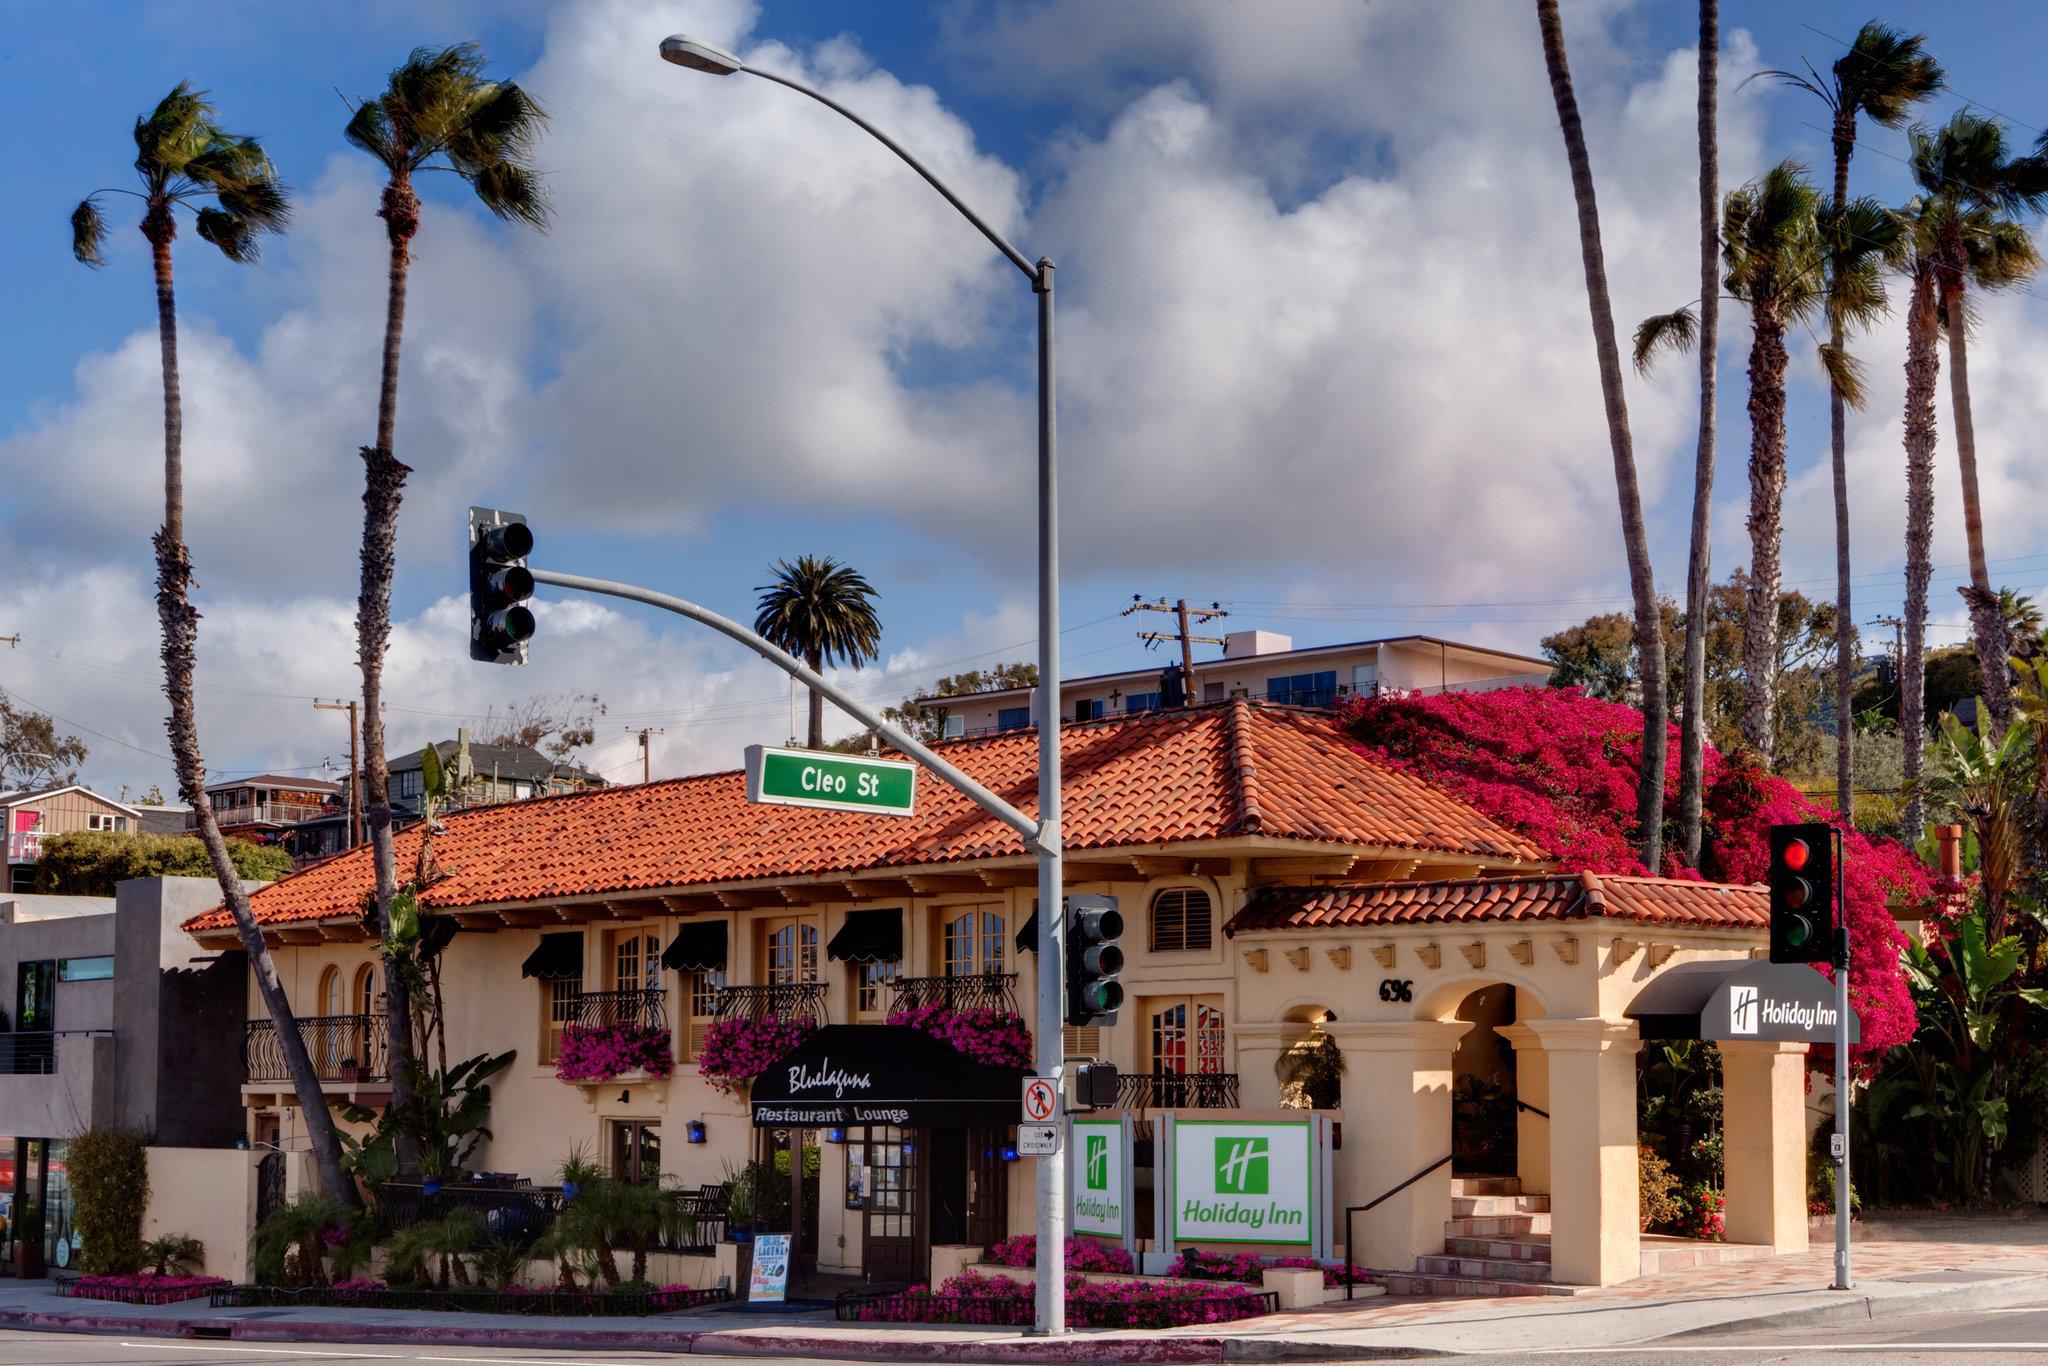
927, 1133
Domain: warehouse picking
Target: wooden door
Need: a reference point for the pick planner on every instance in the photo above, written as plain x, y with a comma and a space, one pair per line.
893, 1224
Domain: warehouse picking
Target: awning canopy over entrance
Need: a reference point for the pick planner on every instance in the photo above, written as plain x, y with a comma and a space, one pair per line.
696, 948
873, 936
883, 1074
1740, 999
559, 955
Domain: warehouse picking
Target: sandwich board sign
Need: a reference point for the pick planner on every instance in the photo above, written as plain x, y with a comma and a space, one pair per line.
768, 1277
1232, 1181
1100, 1179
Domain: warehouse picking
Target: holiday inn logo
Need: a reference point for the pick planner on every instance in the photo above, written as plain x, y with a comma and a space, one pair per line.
1243, 1166
1745, 1010
1097, 1178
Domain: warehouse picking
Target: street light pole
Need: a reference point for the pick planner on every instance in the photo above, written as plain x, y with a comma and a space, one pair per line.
1051, 1314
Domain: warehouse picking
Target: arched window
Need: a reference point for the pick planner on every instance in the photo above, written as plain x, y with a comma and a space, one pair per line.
792, 953
972, 943
364, 997
636, 962
329, 1001
1181, 920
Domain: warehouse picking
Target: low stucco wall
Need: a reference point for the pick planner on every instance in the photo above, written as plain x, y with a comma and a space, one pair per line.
209, 1194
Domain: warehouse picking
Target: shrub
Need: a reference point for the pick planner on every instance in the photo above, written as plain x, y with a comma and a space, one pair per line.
91, 862
135, 1289
292, 1244
1083, 1254
1249, 1268
173, 1253
1657, 1189
980, 1298
110, 1191
1701, 1213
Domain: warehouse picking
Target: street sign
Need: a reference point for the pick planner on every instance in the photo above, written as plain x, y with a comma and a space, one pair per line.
836, 782
1041, 1099
1038, 1140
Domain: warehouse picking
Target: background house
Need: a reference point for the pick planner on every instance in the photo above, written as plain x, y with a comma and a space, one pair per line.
32, 817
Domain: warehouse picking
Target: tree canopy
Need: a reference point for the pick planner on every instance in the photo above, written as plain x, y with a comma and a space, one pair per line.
91, 862
33, 753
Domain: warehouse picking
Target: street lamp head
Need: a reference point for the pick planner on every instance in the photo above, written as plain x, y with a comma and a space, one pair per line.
699, 56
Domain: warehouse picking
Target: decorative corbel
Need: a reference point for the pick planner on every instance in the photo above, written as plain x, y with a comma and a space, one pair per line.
1475, 953
1256, 960
1297, 957
1660, 954
1383, 954
1431, 954
1340, 957
1523, 951
1625, 949
1567, 948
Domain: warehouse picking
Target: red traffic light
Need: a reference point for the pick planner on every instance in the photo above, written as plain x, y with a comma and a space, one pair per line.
1796, 855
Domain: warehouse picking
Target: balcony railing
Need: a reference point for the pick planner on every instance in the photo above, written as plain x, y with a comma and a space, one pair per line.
269, 813
29, 1054
966, 991
24, 846
634, 1008
344, 1048
1177, 1091
790, 1000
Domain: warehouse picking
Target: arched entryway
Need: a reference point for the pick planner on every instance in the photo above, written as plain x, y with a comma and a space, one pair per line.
1484, 1095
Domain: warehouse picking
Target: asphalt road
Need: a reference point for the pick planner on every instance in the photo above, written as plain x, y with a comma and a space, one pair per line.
78, 1349
2015, 1334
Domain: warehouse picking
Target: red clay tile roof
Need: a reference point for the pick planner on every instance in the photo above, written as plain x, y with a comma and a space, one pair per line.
1549, 896
1204, 773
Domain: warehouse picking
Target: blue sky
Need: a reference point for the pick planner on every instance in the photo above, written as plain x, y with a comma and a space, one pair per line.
1325, 350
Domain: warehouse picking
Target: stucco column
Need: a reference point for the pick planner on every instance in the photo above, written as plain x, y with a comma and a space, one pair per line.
1595, 1231
1259, 1047
1532, 1088
1763, 1119
1397, 1121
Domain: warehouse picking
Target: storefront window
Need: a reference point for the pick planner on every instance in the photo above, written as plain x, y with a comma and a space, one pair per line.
60, 1238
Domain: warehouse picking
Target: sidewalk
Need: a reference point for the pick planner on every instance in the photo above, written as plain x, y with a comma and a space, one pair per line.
1954, 1265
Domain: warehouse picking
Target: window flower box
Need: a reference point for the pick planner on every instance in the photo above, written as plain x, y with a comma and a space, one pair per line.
604, 1053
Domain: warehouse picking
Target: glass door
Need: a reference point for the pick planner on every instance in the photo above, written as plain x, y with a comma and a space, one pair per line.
892, 1226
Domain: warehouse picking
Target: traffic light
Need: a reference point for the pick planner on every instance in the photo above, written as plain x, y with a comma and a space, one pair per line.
1094, 1085
1802, 888
1093, 960
500, 622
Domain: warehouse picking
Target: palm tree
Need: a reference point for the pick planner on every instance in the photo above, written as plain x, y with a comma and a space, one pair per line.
438, 112
1648, 612
1692, 724
1882, 76
1964, 166
823, 612
185, 160
1999, 253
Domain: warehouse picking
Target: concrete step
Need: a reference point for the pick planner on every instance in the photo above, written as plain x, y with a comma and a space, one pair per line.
1486, 1185
1680, 1254
1479, 1206
1497, 1226
1445, 1287
1526, 1248
1483, 1268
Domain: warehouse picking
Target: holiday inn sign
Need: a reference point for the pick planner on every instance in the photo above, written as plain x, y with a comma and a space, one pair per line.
1243, 1183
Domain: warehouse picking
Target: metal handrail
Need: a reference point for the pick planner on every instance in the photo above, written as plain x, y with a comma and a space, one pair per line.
344, 1048
1521, 1104
962, 991
1172, 1090
635, 1007
790, 1000
1350, 1245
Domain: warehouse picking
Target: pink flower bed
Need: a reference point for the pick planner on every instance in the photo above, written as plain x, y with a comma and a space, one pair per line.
1083, 1254
142, 1288
978, 1297
1248, 1268
737, 1049
995, 1037
1560, 768
601, 1052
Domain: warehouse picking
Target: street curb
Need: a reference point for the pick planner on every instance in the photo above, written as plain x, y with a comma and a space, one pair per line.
1855, 1307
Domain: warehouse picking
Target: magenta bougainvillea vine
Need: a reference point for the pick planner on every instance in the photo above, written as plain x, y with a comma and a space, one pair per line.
1560, 768
601, 1052
995, 1037
737, 1049
1083, 1254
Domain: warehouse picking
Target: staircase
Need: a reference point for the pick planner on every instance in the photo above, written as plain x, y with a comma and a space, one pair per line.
1497, 1242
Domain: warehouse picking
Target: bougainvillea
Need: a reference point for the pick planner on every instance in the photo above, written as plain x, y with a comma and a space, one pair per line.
1249, 1268
143, 1288
995, 1037
601, 1052
1083, 1254
737, 1049
1560, 768
977, 1297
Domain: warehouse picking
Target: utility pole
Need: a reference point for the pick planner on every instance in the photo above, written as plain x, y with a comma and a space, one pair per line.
1898, 625
11, 642
1183, 617
645, 731
354, 834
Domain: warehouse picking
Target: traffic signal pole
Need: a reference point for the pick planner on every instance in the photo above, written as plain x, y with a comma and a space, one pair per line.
1843, 1280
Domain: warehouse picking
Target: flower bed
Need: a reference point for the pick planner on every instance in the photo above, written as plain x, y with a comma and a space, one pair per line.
140, 1289
981, 1299
552, 1301
1083, 1254
601, 1052
738, 1049
1248, 1268
996, 1038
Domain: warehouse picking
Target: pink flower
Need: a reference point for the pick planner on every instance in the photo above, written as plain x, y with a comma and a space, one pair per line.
996, 1038
738, 1049
601, 1052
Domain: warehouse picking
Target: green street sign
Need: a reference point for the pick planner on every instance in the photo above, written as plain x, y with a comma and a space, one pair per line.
836, 782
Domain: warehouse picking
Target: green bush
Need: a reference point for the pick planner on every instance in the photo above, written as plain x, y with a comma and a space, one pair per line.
91, 862
1658, 1203
174, 1254
110, 1194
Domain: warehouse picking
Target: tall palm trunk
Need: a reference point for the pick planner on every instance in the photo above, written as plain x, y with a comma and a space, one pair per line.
1987, 623
1692, 733
180, 624
1649, 616
1923, 366
383, 490
816, 661
1767, 362
1838, 425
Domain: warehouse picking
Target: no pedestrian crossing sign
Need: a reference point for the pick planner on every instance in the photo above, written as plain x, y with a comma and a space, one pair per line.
837, 782
1041, 1099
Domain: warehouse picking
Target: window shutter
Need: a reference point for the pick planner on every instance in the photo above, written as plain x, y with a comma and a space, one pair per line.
1181, 920
1082, 1041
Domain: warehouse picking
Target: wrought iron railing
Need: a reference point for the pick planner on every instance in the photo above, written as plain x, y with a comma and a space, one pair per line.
636, 1007
344, 1048
518, 1212
967, 991
790, 1000
1177, 1091
31, 1054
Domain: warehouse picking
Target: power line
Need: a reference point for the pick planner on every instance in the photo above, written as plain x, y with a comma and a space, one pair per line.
1847, 44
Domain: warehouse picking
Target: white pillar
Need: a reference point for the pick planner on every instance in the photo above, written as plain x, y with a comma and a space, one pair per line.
1259, 1049
1595, 1229
1532, 1088
1397, 1121
1763, 1122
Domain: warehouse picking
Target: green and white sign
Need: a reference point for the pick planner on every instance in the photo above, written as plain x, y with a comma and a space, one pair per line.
1243, 1183
1100, 1178
837, 782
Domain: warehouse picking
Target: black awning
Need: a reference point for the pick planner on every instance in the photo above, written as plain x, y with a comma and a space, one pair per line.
869, 937
1740, 999
559, 955
1027, 938
698, 947
883, 1074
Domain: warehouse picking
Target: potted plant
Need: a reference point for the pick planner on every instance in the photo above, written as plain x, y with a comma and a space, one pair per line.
28, 1243
351, 1071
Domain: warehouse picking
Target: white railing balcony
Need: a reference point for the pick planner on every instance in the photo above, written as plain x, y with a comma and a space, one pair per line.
271, 813
25, 846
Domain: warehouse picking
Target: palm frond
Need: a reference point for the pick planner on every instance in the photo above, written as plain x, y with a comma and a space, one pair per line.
1845, 374
513, 193
1815, 86
170, 134
1885, 73
1674, 331
232, 233
88, 232
503, 123
2001, 253
369, 129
